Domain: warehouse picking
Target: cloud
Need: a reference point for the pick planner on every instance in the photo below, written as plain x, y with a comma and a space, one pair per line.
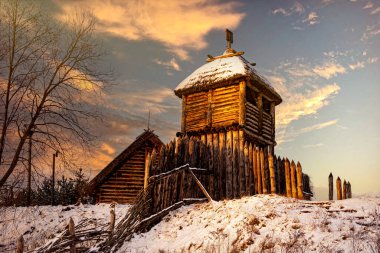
172, 64
329, 70
311, 19
372, 60
358, 65
179, 25
370, 32
317, 145
318, 126
296, 8
369, 5
303, 104
375, 11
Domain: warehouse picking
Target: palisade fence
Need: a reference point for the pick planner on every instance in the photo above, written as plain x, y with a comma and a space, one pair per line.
228, 173
185, 171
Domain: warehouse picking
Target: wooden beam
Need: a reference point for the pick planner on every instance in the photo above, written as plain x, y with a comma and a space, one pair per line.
299, 181
200, 185
242, 99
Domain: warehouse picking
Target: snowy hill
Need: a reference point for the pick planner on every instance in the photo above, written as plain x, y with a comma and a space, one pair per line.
262, 223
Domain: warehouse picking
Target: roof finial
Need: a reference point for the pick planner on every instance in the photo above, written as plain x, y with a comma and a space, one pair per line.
229, 38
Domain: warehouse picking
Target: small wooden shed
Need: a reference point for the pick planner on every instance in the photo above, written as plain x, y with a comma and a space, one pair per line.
124, 177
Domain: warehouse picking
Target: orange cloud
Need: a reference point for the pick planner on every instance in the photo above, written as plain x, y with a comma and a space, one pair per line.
179, 25
329, 70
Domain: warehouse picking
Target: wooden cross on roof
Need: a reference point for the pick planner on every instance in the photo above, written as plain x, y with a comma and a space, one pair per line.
229, 38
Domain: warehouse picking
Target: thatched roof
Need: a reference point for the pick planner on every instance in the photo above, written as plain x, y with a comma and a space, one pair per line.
142, 139
222, 71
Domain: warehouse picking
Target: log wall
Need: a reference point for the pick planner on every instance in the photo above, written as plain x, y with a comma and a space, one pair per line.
124, 184
230, 167
225, 107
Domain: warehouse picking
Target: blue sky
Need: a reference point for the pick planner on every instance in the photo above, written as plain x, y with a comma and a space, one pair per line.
322, 56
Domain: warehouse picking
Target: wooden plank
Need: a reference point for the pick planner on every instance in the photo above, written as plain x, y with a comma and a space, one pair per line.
272, 174
200, 185
215, 140
258, 172
262, 167
242, 99
251, 181
338, 189
299, 181
246, 168
241, 164
331, 185
293, 179
235, 170
287, 179
146, 173
222, 163
229, 165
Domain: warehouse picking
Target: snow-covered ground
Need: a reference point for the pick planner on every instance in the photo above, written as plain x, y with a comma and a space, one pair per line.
38, 224
266, 223
263, 223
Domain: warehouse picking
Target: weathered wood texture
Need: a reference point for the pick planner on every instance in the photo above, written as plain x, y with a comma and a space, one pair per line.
331, 187
299, 181
233, 167
344, 196
123, 185
216, 108
338, 189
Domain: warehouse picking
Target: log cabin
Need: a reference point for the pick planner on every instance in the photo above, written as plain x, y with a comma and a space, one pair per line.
227, 100
122, 179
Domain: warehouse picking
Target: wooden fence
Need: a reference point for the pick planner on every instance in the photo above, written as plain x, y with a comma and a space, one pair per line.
229, 173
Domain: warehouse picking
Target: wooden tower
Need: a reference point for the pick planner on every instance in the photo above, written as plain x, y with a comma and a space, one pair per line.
227, 101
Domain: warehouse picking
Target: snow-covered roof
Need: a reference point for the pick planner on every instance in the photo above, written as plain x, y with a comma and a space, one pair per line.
229, 66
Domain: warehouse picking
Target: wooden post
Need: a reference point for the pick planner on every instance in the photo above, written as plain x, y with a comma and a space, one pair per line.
112, 222
246, 168
241, 164
344, 189
20, 244
147, 166
331, 186
242, 103
235, 172
262, 168
200, 185
287, 179
271, 173
72, 235
183, 120
258, 172
222, 164
255, 164
293, 179
338, 189
251, 181
229, 164
299, 181
349, 190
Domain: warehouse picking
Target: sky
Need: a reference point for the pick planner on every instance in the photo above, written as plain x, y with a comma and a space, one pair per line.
322, 56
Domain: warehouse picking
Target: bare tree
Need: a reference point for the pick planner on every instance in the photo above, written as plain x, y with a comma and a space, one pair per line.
48, 77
